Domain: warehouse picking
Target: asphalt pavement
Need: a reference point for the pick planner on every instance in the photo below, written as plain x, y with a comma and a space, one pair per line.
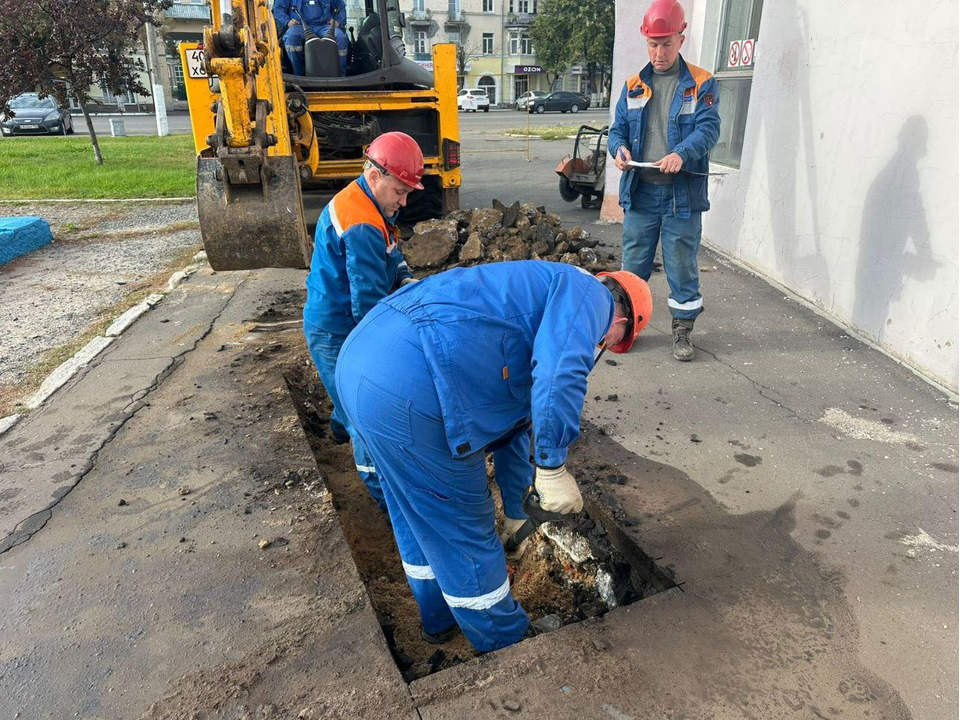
493, 121
801, 485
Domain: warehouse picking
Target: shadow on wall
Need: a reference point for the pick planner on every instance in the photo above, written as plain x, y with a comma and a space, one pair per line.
894, 237
782, 127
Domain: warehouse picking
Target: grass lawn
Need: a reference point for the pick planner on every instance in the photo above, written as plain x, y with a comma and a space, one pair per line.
33, 168
552, 132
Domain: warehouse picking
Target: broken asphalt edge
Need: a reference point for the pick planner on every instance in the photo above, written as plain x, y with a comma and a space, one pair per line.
69, 368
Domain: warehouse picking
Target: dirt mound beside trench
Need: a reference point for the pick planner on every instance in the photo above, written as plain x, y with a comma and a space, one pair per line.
502, 232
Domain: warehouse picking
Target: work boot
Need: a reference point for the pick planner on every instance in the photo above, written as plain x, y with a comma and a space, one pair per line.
444, 636
682, 349
546, 624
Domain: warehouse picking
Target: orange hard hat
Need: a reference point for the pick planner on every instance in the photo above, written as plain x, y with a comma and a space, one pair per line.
663, 18
398, 154
637, 293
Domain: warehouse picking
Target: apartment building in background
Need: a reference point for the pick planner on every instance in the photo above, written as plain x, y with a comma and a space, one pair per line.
495, 39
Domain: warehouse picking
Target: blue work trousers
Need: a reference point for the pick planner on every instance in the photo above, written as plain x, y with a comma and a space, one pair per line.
294, 39
650, 221
324, 349
441, 508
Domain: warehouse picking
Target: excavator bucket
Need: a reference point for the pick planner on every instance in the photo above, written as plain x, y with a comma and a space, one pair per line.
245, 227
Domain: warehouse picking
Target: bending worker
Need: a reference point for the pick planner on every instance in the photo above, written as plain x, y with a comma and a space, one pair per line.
462, 362
319, 15
668, 115
356, 262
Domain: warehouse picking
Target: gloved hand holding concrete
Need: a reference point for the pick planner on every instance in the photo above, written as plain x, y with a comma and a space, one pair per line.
558, 490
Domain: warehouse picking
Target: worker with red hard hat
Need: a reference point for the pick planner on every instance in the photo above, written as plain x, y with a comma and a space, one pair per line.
356, 262
667, 117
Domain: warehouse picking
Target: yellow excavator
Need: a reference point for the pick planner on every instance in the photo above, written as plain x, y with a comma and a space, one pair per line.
270, 143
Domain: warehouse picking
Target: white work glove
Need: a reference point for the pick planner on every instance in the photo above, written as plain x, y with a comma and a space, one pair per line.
408, 281
558, 490
510, 526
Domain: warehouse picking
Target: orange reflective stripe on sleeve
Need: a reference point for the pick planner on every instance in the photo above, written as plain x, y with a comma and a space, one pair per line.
352, 206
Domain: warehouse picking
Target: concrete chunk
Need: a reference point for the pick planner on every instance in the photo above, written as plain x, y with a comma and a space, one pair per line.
127, 319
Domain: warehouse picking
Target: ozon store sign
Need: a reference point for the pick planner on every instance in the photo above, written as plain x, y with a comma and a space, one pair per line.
526, 69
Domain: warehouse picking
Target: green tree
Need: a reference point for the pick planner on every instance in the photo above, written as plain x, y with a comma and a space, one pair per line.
570, 31
63, 47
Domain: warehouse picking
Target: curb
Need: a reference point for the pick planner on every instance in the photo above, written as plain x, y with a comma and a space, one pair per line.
68, 369
99, 200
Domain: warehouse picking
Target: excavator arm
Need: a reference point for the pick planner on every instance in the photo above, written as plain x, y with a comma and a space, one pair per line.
248, 176
262, 137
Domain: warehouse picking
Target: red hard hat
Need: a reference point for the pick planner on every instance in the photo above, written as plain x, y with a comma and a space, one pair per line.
399, 155
663, 18
641, 304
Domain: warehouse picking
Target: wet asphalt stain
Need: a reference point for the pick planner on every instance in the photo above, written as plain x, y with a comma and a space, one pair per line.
748, 460
775, 611
853, 468
946, 467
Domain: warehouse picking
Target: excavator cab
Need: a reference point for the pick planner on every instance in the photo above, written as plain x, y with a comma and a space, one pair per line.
267, 139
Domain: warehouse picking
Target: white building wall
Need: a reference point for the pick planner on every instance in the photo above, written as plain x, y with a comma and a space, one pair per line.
848, 187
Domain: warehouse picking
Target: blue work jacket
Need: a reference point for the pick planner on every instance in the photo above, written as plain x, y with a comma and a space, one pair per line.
509, 344
692, 131
356, 261
316, 13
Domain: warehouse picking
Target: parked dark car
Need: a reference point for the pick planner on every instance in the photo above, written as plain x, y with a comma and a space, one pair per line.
563, 101
33, 115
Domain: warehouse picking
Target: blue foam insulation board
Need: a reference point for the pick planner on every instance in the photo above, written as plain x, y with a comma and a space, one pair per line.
20, 235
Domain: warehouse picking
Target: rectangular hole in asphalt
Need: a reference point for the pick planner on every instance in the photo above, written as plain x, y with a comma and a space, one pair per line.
575, 570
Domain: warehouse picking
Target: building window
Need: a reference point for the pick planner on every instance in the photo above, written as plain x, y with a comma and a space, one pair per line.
419, 6
520, 44
488, 43
421, 49
178, 87
488, 6
739, 28
523, 6
489, 86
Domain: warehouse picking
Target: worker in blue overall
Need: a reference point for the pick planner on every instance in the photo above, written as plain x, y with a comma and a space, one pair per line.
318, 15
356, 262
668, 116
464, 362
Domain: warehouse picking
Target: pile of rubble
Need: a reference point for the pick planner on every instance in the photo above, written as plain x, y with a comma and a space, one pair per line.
515, 232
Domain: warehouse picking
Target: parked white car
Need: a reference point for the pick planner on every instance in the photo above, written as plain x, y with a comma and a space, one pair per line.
524, 100
472, 99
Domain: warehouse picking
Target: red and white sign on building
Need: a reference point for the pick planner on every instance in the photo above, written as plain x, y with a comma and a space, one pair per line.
747, 52
733, 57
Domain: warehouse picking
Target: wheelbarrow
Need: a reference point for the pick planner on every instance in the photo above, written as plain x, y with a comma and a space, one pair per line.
582, 174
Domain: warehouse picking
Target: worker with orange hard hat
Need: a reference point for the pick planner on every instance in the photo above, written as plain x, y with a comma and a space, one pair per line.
479, 358
356, 262
668, 120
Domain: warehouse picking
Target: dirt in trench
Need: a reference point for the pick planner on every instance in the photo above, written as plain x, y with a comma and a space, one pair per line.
545, 580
